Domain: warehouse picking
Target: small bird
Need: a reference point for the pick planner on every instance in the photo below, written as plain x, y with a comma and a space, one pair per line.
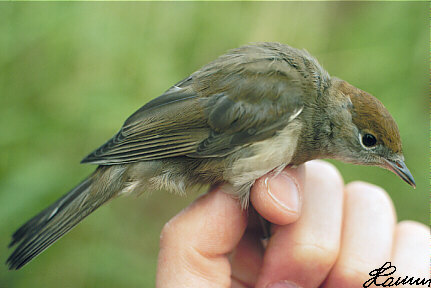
255, 109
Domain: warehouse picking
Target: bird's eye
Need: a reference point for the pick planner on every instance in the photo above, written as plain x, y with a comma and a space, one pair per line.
369, 140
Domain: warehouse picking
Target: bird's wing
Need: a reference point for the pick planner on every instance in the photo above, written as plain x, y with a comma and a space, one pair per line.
201, 119
168, 126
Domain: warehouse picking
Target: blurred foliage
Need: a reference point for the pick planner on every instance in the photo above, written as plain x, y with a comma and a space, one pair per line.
71, 73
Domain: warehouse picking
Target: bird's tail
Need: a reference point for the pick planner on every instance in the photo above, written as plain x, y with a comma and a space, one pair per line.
52, 223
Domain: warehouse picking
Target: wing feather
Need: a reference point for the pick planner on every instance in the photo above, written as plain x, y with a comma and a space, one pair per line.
212, 113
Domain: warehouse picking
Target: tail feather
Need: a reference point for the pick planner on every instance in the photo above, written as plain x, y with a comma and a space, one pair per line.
48, 226
43, 217
35, 245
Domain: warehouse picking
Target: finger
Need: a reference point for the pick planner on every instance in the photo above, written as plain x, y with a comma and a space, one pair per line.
367, 235
246, 260
278, 197
304, 252
410, 254
194, 244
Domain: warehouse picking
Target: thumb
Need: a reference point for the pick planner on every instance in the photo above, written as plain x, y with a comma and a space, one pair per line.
278, 197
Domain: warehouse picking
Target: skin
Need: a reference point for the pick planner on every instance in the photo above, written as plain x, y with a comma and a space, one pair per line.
327, 234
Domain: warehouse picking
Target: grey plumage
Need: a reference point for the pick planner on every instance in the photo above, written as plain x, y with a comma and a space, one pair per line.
189, 136
234, 120
56, 220
212, 113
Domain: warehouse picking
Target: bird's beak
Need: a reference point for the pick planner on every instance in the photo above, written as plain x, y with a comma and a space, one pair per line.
399, 168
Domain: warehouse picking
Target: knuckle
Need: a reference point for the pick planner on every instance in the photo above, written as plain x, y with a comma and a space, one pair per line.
324, 171
364, 187
413, 234
322, 257
363, 191
349, 275
212, 269
413, 226
174, 230
168, 234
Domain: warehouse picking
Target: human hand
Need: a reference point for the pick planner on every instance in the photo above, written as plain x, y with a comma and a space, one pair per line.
325, 234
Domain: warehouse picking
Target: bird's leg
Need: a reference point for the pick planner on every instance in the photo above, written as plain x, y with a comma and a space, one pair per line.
266, 228
260, 225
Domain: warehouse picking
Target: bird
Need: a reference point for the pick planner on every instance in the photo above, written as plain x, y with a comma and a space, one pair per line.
255, 109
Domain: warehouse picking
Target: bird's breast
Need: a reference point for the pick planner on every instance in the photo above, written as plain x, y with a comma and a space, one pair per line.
266, 155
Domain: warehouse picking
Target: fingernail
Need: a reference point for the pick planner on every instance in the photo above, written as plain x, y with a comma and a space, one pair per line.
283, 284
284, 190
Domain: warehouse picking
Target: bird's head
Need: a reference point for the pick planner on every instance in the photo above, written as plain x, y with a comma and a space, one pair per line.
365, 133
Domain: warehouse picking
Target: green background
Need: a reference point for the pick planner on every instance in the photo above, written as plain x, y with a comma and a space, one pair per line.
71, 73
